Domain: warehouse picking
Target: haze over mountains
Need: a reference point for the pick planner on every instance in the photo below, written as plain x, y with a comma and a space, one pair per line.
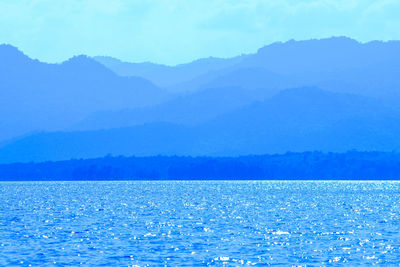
337, 64
303, 119
167, 76
38, 96
332, 94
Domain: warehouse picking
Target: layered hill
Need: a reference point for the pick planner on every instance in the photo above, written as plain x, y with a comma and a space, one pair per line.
345, 96
39, 96
337, 64
168, 76
301, 119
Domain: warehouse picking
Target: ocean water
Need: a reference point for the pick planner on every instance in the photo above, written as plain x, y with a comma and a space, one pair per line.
199, 223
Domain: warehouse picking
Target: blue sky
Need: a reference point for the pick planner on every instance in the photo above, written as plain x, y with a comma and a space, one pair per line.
176, 31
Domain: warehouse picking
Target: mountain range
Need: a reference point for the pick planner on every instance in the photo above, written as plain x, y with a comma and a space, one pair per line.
301, 119
330, 95
39, 96
337, 64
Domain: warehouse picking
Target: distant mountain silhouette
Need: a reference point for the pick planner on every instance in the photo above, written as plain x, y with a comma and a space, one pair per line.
168, 76
302, 119
337, 64
306, 119
323, 55
191, 109
220, 106
40, 96
141, 140
232, 90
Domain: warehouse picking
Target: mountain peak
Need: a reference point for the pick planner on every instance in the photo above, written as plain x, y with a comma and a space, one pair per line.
335, 42
5, 47
9, 54
79, 60
83, 62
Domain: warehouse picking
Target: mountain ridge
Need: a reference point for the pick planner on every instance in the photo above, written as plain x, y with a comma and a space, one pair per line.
83, 94
41, 96
302, 119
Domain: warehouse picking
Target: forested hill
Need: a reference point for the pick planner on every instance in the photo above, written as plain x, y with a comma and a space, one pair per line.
289, 166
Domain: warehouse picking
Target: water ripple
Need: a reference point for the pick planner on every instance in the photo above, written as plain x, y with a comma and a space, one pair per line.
199, 223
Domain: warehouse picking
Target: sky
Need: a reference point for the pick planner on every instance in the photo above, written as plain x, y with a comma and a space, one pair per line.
177, 31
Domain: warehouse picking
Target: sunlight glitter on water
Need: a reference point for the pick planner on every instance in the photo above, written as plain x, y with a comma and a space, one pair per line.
197, 223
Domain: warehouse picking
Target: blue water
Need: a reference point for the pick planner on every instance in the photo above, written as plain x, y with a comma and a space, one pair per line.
197, 223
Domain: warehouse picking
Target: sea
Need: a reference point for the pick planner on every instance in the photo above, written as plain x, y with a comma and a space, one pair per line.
197, 223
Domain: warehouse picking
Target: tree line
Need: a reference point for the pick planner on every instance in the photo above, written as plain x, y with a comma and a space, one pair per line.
289, 166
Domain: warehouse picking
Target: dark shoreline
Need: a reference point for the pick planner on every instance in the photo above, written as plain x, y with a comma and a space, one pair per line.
311, 166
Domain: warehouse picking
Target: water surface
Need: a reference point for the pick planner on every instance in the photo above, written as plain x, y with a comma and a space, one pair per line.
197, 223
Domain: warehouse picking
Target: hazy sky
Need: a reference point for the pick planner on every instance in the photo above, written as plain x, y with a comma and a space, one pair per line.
176, 31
